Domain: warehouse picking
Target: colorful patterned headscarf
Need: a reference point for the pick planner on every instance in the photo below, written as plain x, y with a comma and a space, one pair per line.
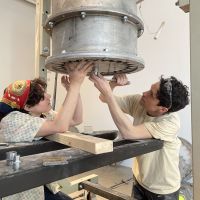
15, 96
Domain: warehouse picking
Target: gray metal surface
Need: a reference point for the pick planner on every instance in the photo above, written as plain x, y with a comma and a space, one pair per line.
105, 32
128, 6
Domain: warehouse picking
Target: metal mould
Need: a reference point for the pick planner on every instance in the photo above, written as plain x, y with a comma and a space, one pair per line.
100, 31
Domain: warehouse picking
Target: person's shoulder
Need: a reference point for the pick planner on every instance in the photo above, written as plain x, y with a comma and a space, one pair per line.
15, 115
11, 114
137, 96
172, 118
133, 97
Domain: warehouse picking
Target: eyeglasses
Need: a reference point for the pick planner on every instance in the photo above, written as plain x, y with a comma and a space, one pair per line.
168, 86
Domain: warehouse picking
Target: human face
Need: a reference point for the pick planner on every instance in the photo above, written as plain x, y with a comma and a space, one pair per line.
43, 106
150, 101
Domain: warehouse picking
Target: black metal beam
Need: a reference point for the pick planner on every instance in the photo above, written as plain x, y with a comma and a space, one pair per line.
32, 173
103, 191
24, 149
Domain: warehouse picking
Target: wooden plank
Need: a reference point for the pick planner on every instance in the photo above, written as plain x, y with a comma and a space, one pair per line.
92, 178
84, 142
71, 186
35, 147
42, 38
195, 95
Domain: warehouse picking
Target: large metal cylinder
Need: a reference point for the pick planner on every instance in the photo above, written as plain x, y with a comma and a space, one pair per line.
104, 31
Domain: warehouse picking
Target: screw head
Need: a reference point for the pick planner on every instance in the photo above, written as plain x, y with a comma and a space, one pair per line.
83, 15
80, 187
51, 24
64, 51
125, 18
45, 49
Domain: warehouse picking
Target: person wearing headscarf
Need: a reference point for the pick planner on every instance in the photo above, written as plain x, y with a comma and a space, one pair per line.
25, 115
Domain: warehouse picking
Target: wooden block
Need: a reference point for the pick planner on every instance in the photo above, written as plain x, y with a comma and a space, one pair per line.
84, 142
92, 177
72, 186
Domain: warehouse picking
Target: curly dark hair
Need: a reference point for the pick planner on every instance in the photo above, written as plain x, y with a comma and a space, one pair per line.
173, 94
37, 90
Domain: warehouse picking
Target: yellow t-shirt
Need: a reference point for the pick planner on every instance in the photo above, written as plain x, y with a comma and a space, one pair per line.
157, 171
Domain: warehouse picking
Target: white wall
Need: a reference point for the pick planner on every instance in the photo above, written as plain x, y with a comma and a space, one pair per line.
170, 54
17, 32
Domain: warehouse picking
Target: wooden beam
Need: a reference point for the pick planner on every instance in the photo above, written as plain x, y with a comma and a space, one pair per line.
195, 95
42, 38
70, 186
84, 142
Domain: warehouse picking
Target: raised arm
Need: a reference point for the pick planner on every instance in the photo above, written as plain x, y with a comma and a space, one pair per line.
78, 113
123, 123
62, 121
117, 80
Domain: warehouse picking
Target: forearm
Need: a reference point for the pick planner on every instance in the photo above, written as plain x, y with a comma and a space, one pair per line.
124, 124
101, 96
67, 110
78, 113
72, 83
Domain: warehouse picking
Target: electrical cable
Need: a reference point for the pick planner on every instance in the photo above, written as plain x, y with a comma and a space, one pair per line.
156, 33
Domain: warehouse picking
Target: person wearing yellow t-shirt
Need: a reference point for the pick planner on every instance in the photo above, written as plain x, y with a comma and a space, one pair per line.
156, 174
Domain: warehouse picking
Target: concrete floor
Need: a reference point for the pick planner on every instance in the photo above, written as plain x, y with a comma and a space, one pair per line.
117, 177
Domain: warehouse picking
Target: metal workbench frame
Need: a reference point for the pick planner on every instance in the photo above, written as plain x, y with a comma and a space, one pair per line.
32, 173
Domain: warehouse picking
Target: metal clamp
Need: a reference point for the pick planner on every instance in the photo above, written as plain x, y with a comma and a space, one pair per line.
10, 156
13, 159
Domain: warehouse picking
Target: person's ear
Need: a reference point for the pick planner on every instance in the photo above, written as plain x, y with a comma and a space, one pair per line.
27, 108
163, 110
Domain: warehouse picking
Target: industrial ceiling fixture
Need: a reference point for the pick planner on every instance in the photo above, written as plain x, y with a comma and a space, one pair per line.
101, 31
